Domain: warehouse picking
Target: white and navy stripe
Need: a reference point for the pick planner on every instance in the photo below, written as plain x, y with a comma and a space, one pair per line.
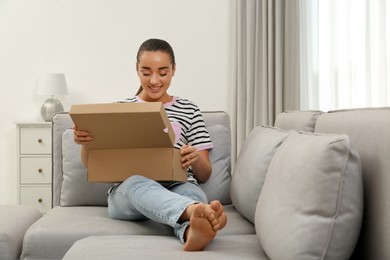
188, 116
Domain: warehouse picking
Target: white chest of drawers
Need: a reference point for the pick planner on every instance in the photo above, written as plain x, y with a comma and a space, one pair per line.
34, 164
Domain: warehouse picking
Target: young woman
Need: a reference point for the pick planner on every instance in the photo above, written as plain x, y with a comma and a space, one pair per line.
183, 206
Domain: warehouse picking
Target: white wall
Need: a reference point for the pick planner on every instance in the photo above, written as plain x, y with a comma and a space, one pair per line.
94, 42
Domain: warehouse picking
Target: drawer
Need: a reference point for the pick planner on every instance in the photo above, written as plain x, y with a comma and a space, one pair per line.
36, 196
35, 170
35, 140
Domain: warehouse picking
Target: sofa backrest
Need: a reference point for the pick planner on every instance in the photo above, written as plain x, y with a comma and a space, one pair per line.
368, 129
69, 184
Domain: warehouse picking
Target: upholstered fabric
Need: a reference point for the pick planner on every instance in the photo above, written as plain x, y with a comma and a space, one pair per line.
311, 203
298, 120
218, 185
61, 122
76, 190
155, 247
51, 236
251, 168
369, 132
236, 225
14, 221
55, 233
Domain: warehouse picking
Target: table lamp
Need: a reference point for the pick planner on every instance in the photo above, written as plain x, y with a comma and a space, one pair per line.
53, 84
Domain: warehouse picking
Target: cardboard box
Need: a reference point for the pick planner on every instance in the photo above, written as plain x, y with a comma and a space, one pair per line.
129, 139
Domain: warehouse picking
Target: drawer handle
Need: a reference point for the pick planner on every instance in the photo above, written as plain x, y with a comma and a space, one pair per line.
40, 200
40, 170
40, 140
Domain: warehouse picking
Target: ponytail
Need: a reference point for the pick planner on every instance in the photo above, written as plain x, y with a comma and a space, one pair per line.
139, 91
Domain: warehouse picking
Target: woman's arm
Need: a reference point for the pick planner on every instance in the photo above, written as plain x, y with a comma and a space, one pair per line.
198, 160
83, 138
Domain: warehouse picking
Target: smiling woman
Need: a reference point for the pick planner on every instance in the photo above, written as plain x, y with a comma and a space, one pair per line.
181, 205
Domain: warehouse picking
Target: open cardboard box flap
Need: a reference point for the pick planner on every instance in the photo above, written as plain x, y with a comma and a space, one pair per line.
129, 139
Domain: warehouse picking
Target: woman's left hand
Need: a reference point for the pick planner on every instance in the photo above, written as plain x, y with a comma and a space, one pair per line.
189, 155
198, 160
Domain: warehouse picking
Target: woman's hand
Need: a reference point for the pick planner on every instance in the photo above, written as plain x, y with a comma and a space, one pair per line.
189, 155
198, 160
81, 137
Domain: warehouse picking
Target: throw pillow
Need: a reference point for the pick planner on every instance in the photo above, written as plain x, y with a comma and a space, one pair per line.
311, 204
218, 185
298, 120
75, 189
251, 168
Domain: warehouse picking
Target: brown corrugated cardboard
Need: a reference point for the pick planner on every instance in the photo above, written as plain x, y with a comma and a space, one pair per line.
129, 139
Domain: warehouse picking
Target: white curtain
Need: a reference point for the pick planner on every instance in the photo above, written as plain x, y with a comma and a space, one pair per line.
345, 48
267, 73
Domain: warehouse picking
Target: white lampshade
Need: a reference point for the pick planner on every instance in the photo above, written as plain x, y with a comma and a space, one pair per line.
53, 84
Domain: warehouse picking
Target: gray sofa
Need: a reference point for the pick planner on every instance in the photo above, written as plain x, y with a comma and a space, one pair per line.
14, 222
294, 194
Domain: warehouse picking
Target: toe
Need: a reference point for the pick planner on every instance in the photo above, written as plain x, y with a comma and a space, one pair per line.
200, 211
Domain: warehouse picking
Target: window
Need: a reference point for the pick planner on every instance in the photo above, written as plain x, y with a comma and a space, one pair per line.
345, 49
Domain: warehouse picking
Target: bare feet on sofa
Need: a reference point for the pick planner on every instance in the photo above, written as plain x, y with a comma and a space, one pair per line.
205, 221
219, 213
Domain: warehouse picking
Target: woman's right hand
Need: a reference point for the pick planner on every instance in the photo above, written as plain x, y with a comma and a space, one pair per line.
81, 137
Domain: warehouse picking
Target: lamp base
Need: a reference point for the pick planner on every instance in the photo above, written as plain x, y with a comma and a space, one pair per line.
50, 107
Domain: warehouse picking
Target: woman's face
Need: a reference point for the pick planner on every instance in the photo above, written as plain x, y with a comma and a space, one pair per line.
155, 72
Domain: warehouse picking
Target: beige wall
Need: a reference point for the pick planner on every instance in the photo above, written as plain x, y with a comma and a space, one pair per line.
94, 43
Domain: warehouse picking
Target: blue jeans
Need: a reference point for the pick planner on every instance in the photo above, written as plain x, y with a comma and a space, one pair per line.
140, 198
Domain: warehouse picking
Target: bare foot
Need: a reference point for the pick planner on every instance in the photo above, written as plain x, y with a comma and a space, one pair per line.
214, 211
200, 231
219, 215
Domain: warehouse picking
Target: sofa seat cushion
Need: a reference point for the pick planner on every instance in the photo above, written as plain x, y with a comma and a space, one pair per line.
139, 247
311, 204
236, 225
55, 233
14, 221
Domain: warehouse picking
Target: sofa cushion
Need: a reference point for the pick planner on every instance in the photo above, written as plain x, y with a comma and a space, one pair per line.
368, 130
76, 190
251, 168
133, 247
14, 221
218, 185
298, 120
53, 235
311, 203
